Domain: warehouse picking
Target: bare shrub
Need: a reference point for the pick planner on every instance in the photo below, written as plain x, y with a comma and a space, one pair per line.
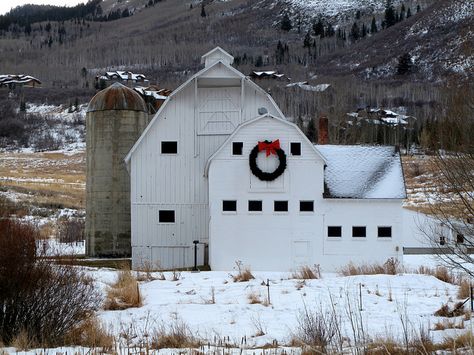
316, 329
443, 311
92, 334
464, 290
124, 293
47, 142
175, 275
244, 274
177, 335
254, 298
465, 340
71, 229
307, 273
32, 287
390, 267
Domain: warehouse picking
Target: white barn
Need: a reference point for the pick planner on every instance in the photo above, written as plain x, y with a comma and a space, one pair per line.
193, 177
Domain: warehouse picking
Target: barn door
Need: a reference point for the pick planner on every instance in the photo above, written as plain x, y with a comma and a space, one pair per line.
218, 110
301, 253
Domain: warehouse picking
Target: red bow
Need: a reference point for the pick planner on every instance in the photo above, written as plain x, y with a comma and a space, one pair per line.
270, 148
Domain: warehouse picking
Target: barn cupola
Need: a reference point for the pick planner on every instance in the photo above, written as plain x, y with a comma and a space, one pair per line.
216, 55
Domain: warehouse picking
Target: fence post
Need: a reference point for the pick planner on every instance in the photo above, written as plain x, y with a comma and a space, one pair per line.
470, 296
360, 297
268, 291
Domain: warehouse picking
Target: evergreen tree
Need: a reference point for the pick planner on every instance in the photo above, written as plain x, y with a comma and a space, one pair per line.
364, 30
286, 23
404, 64
330, 32
279, 54
307, 40
311, 131
318, 28
390, 16
358, 15
22, 105
408, 13
355, 32
373, 26
402, 13
203, 11
418, 8
259, 61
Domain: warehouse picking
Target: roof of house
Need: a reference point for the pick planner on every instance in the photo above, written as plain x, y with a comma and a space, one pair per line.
17, 79
363, 172
123, 75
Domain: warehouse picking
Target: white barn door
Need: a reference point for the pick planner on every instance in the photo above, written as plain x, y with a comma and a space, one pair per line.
301, 253
219, 110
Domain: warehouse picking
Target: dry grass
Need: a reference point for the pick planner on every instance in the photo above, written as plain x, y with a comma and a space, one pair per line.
92, 334
124, 293
254, 298
464, 290
390, 267
446, 311
177, 336
244, 274
307, 273
23, 342
448, 325
441, 273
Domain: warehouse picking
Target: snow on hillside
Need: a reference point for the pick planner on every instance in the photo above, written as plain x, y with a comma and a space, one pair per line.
339, 7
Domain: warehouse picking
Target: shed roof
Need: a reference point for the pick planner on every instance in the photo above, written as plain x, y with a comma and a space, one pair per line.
363, 172
117, 97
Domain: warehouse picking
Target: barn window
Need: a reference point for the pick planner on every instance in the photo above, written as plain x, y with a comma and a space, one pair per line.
255, 206
237, 148
280, 206
384, 232
359, 232
459, 238
166, 216
306, 206
334, 231
295, 148
170, 147
229, 206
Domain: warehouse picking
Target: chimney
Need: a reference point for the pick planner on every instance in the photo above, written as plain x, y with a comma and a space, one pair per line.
323, 136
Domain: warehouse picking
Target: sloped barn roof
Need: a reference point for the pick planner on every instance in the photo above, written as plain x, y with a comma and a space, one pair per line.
362, 172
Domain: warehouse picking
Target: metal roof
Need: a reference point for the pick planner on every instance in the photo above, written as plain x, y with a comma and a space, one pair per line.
117, 97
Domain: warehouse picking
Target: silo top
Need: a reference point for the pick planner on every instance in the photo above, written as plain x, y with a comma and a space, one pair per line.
117, 97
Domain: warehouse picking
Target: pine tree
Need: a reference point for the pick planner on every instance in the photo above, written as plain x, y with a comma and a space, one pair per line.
311, 131
404, 64
318, 28
408, 13
330, 32
418, 8
402, 13
286, 23
358, 15
355, 32
307, 40
364, 30
279, 54
373, 26
203, 10
390, 16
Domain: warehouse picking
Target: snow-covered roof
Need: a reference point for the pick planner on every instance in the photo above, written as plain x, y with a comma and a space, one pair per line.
305, 86
123, 75
6, 79
362, 172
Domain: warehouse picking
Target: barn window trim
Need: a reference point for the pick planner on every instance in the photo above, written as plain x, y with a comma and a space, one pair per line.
173, 152
255, 211
334, 237
162, 217
278, 202
306, 202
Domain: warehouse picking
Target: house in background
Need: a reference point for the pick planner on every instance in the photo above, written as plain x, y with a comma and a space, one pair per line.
126, 78
15, 81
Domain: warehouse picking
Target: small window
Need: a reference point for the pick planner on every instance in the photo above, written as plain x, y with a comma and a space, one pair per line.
280, 206
237, 148
255, 206
384, 232
166, 216
334, 231
306, 206
459, 238
442, 240
295, 148
229, 206
169, 147
358, 232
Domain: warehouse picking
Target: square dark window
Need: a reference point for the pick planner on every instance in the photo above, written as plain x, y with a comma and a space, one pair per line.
166, 216
169, 147
306, 206
229, 206
358, 232
384, 232
255, 206
459, 238
237, 148
334, 231
295, 148
280, 206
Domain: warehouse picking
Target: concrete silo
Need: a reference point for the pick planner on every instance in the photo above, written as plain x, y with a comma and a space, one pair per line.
115, 119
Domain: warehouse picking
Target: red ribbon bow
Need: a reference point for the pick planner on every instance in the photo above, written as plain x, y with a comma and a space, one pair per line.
270, 148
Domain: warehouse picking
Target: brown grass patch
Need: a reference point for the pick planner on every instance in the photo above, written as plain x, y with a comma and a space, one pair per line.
441, 273
124, 293
448, 325
390, 267
464, 290
446, 311
177, 336
92, 334
254, 298
244, 274
307, 273
22, 341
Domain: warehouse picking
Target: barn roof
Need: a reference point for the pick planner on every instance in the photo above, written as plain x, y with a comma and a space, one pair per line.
363, 172
117, 97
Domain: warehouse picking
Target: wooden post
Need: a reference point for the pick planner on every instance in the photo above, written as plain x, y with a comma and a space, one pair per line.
268, 291
470, 296
360, 297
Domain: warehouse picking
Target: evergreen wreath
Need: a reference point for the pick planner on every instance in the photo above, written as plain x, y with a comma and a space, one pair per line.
270, 148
